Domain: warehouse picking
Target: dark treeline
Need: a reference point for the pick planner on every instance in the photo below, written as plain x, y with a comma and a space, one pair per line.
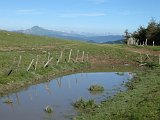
151, 33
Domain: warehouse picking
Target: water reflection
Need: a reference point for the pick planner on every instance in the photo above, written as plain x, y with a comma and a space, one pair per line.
59, 94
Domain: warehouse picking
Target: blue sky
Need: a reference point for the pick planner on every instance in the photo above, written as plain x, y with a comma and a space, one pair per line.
94, 16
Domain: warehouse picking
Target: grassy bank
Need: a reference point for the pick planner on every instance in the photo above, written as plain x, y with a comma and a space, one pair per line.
140, 102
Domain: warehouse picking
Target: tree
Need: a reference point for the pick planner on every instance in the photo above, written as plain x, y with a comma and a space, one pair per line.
151, 31
140, 34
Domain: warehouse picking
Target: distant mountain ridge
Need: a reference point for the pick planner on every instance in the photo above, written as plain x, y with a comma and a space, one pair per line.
36, 30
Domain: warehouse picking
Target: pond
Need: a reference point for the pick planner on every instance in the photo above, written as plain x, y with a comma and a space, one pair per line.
60, 93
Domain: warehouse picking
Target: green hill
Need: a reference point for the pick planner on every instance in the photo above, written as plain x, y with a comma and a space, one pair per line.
18, 50
18, 60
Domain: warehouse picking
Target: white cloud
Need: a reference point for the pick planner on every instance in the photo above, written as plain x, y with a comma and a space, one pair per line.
28, 11
82, 15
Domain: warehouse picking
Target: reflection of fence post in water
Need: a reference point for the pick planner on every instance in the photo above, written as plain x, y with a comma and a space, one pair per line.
48, 88
69, 84
76, 79
17, 98
86, 76
59, 82
11, 104
36, 93
82, 76
29, 95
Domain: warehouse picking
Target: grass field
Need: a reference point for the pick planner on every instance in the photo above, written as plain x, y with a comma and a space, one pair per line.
140, 102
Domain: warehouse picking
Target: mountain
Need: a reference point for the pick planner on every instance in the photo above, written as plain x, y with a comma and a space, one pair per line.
105, 39
36, 30
115, 42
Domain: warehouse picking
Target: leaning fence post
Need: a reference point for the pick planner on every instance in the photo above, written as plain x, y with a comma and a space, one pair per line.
19, 62
77, 55
48, 62
87, 57
83, 56
36, 62
30, 64
60, 58
70, 53
49, 55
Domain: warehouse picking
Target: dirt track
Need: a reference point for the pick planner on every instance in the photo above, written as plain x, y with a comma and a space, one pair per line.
143, 51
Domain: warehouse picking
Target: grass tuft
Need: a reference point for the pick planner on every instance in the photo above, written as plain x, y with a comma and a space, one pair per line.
96, 88
48, 109
83, 104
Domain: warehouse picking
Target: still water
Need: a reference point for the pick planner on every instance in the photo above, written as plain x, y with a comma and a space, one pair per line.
60, 93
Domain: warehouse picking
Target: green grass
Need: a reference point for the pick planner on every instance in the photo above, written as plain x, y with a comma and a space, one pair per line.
14, 45
84, 104
140, 102
96, 88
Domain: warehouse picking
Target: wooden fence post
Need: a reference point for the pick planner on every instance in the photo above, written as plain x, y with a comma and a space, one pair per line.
36, 62
88, 57
70, 53
83, 56
49, 55
60, 57
19, 63
47, 62
77, 55
30, 64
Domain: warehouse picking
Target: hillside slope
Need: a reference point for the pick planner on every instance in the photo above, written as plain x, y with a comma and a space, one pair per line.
18, 51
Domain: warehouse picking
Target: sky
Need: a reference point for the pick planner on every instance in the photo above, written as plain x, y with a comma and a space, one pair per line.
92, 16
